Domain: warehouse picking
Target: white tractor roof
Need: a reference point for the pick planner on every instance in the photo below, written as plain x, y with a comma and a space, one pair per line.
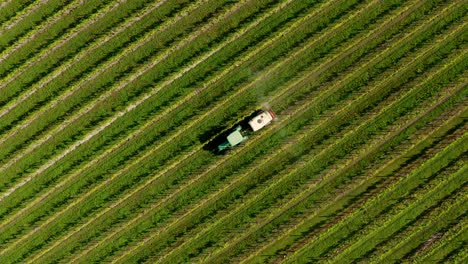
261, 120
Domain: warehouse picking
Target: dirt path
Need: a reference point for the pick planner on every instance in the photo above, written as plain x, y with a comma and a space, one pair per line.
21, 16
40, 29
83, 54
349, 210
78, 86
234, 66
123, 112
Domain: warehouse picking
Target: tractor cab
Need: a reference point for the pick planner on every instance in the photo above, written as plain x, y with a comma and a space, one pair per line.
233, 139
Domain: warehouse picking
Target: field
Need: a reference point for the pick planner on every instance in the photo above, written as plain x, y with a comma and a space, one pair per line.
107, 106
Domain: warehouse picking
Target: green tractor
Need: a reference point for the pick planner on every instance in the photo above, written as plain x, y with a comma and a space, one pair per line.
241, 131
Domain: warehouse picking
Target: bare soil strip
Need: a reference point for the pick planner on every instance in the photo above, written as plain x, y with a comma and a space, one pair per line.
21, 15
253, 199
64, 67
40, 29
92, 104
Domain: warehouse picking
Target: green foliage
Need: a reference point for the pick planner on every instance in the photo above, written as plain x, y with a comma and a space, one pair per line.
102, 135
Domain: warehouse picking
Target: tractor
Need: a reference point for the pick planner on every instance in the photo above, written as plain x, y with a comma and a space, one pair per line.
242, 130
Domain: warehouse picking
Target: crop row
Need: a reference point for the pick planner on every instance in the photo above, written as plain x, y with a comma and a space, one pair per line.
316, 247
450, 211
263, 199
9, 8
353, 207
345, 242
406, 251
239, 242
323, 190
80, 68
386, 225
381, 201
101, 110
348, 241
17, 12
457, 254
395, 38
31, 42
290, 239
74, 73
403, 202
25, 27
452, 240
79, 49
101, 113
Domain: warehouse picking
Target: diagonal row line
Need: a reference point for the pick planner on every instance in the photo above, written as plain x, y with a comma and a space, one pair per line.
335, 172
151, 122
101, 69
20, 16
180, 131
284, 233
278, 183
179, 218
435, 219
5, 3
64, 67
423, 224
362, 181
40, 29
457, 233
303, 247
387, 191
146, 125
369, 148
122, 84
210, 53
434, 191
347, 189
439, 102
422, 137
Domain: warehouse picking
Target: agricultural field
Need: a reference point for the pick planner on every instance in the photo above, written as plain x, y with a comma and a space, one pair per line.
107, 108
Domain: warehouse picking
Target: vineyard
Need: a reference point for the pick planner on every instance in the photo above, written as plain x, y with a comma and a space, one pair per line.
106, 108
